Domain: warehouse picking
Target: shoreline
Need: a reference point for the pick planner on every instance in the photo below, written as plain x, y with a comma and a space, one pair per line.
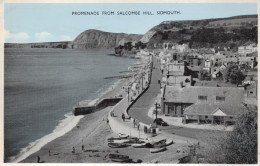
67, 124
64, 126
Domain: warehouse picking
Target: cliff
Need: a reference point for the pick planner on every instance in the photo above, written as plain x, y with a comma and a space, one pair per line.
99, 39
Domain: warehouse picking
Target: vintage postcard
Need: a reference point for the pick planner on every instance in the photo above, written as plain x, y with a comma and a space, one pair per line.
145, 83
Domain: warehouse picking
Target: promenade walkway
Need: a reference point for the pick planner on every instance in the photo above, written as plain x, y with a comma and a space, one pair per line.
140, 108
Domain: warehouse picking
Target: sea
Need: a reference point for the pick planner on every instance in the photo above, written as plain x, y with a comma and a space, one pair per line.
41, 86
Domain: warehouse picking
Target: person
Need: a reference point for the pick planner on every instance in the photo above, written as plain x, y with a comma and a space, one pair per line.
134, 122
82, 147
123, 116
38, 159
138, 126
49, 153
73, 150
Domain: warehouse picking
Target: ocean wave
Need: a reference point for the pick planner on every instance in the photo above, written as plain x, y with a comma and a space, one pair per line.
63, 127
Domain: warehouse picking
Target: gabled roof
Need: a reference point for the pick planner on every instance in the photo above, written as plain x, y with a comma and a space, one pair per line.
215, 109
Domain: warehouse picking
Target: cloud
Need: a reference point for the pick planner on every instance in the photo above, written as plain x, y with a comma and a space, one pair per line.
42, 35
20, 37
66, 38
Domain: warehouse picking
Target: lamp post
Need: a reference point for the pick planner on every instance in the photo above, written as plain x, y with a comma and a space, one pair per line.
142, 81
128, 94
156, 114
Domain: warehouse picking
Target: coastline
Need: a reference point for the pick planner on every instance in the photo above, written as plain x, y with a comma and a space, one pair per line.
66, 125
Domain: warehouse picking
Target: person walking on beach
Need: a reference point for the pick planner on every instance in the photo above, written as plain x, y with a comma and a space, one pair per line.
49, 152
73, 150
38, 159
82, 147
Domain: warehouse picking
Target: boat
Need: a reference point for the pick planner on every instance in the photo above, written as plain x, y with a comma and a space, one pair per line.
121, 141
123, 135
117, 145
159, 144
112, 139
168, 142
142, 145
120, 158
156, 150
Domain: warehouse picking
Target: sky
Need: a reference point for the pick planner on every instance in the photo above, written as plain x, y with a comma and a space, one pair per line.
26, 23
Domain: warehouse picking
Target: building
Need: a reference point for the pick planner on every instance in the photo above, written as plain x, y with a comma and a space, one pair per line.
247, 49
203, 103
247, 62
176, 68
175, 80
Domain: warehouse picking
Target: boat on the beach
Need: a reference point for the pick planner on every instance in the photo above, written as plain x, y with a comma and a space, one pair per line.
156, 150
111, 139
140, 145
120, 158
123, 135
168, 142
117, 145
158, 144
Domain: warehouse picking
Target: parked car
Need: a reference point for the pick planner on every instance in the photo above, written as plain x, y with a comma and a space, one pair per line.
159, 121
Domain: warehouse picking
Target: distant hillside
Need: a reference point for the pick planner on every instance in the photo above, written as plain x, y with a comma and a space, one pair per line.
238, 28
99, 39
64, 45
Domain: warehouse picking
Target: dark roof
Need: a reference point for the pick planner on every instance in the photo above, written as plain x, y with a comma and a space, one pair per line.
176, 73
195, 68
176, 94
210, 109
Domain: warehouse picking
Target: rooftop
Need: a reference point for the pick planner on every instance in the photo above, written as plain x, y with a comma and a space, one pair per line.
211, 109
233, 95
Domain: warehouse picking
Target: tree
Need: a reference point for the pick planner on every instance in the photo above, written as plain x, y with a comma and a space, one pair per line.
204, 75
233, 74
241, 145
236, 147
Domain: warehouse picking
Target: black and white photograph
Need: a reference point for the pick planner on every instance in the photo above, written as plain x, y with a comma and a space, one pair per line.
133, 82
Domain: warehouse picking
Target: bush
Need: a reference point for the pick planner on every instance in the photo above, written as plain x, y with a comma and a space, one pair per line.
241, 144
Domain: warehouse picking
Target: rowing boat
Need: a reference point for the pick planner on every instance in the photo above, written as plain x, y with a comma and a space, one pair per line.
156, 150
142, 145
117, 145
168, 142
120, 158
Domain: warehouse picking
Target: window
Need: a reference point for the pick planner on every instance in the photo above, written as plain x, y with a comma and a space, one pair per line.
220, 98
202, 98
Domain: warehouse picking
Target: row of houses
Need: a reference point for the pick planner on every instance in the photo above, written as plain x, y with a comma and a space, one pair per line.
206, 104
